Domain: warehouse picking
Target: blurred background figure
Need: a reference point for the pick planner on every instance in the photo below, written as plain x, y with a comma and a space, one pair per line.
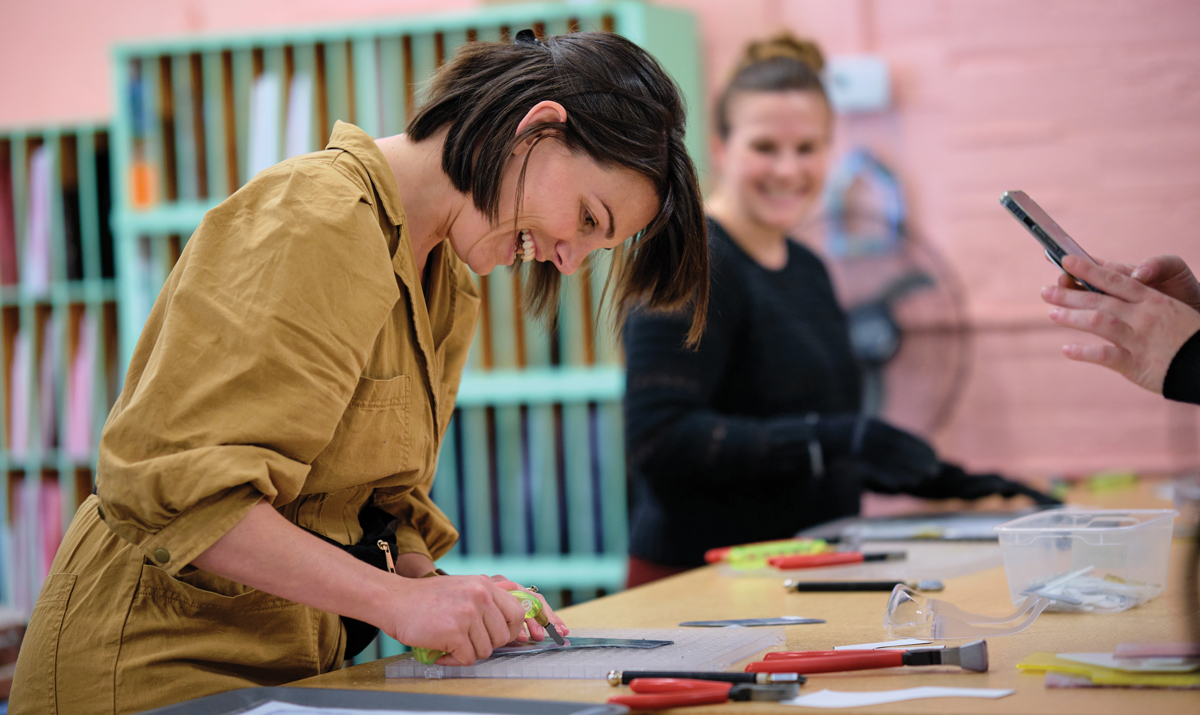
759, 431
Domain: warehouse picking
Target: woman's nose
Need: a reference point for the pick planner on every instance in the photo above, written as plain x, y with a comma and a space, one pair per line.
788, 166
569, 255
566, 260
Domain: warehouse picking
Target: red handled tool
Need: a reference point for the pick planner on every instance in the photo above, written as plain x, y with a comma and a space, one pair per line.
663, 693
811, 561
972, 656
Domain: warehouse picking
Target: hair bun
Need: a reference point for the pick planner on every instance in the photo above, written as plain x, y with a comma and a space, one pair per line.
784, 45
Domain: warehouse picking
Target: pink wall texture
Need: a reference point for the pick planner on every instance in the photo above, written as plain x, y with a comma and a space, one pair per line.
1089, 105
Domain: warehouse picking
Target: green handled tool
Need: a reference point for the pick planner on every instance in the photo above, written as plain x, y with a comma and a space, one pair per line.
533, 609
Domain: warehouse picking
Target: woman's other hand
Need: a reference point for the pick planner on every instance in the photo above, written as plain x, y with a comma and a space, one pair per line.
1171, 276
1165, 274
1145, 325
465, 616
533, 629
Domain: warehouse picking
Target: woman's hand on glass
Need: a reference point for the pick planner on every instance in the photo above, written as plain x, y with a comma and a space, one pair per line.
465, 616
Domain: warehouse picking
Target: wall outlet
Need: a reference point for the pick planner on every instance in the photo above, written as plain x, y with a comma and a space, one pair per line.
858, 83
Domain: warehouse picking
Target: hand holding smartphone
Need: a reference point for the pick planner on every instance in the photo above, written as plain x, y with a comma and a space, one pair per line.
1053, 238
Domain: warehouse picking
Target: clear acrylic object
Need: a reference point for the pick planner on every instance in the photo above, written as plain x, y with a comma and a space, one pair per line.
912, 615
1099, 560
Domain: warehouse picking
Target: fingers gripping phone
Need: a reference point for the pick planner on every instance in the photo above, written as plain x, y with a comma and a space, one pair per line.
1057, 243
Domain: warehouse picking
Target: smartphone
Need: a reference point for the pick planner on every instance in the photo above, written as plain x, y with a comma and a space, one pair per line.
1054, 240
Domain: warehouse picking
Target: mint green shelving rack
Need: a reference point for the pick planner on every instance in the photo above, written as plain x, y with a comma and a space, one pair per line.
532, 469
79, 181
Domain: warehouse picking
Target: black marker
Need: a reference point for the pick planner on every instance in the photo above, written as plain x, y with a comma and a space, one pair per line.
619, 677
794, 585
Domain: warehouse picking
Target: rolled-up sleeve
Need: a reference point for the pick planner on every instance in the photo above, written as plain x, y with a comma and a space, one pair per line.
247, 362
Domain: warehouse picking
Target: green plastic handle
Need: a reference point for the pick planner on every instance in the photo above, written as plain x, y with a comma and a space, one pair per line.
533, 609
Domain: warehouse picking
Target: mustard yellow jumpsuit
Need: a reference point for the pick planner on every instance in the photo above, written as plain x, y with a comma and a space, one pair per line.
292, 356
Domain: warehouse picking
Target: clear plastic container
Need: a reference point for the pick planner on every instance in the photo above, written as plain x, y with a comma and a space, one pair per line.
1102, 560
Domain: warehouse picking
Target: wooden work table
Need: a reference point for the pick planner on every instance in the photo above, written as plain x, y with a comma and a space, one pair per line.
855, 618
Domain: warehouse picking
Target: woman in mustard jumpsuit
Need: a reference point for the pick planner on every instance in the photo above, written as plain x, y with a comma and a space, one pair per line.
302, 361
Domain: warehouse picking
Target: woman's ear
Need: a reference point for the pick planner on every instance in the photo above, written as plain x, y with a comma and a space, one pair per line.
544, 112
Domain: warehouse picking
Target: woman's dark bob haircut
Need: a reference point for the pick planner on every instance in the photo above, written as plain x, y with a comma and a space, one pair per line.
622, 111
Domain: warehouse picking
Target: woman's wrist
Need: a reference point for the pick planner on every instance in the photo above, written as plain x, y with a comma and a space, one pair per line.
413, 565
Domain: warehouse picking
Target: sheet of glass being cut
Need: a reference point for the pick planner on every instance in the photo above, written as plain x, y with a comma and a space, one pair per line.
692, 649
942, 526
939, 560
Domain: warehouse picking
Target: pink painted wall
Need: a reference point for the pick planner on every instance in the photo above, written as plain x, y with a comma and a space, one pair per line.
1089, 105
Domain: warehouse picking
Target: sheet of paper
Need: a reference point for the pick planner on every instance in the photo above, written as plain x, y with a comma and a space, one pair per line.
35, 275
265, 99
1099, 675
50, 525
299, 116
1145, 665
840, 699
18, 418
889, 644
750, 622
277, 708
48, 385
79, 393
1157, 650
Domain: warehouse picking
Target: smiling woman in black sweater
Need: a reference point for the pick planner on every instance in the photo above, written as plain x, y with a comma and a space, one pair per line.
756, 433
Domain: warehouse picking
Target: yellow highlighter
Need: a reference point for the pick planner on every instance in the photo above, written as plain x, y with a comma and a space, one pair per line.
533, 609
754, 556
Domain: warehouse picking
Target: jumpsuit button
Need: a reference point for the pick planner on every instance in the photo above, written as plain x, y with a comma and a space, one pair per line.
161, 556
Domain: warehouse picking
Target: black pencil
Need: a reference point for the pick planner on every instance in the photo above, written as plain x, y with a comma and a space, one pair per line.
812, 586
618, 677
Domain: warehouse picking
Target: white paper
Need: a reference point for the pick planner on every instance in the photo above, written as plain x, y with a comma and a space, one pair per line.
35, 274
48, 387
264, 122
840, 699
78, 440
299, 115
27, 556
1135, 665
18, 419
277, 708
889, 644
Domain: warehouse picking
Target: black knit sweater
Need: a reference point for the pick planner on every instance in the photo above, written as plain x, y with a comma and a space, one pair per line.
1182, 382
718, 440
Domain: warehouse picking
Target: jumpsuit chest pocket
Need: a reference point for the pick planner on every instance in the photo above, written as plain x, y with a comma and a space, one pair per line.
381, 433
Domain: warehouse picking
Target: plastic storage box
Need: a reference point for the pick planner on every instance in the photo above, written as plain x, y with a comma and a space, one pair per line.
1102, 561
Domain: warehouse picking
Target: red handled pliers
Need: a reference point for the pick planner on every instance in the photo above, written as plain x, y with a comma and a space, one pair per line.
663, 693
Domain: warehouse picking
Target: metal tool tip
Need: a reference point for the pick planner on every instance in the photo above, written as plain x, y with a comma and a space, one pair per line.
614, 678
785, 678
974, 656
554, 634
789, 583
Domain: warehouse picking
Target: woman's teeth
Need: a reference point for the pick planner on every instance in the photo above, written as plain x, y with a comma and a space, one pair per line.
526, 246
